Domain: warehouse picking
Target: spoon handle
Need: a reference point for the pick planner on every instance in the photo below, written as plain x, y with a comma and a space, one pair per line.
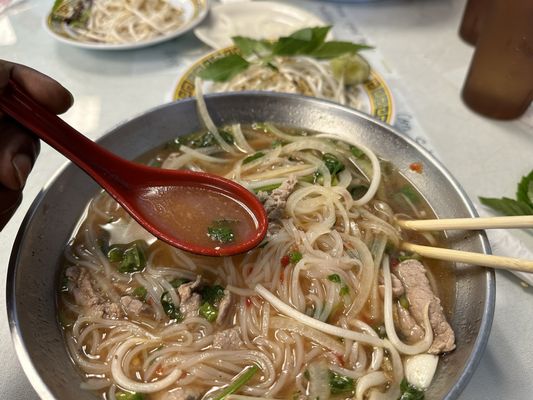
92, 158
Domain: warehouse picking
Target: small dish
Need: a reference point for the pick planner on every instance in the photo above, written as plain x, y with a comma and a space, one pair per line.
194, 12
375, 97
257, 20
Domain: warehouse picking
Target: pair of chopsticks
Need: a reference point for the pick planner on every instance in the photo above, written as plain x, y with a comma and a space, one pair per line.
498, 262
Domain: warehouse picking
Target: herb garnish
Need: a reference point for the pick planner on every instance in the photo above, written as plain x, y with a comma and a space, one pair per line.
304, 42
340, 383
523, 205
410, 392
169, 307
221, 231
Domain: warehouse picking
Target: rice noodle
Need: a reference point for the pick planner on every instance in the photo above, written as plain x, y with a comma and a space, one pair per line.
298, 300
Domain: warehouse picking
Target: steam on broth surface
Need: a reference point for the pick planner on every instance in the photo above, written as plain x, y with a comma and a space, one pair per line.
326, 307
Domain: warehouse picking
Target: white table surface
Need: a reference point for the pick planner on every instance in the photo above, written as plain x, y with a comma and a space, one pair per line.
418, 39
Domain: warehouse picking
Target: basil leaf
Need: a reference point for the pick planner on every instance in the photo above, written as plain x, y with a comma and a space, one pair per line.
304, 41
249, 46
335, 49
225, 68
335, 278
507, 206
524, 192
317, 34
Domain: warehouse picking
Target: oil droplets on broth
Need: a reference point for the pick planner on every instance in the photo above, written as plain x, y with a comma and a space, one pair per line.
198, 215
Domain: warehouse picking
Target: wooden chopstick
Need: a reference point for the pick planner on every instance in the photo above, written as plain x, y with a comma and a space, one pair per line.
485, 260
521, 221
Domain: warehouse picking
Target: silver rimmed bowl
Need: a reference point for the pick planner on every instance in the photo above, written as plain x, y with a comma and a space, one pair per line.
36, 258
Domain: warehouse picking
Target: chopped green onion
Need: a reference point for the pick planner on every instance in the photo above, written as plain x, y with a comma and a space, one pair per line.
344, 290
356, 152
332, 163
253, 157
212, 294
410, 392
169, 307
295, 257
176, 283
404, 302
133, 259
115, 253
409, 256
129, 396
410, 193
140, 293
335, 278
236, 383
208, 311
221, 231
267, 188
340, 383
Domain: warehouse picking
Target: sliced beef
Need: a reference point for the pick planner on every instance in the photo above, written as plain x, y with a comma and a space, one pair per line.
275, 201
412, 274
131, 305
185, 290
224, 306
397, 287
94, 302
189, 302
406, 325
229, 339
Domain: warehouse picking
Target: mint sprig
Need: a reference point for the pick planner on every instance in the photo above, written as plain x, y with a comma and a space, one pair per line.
304, 42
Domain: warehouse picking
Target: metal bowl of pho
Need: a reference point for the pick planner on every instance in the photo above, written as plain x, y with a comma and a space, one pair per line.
327, 307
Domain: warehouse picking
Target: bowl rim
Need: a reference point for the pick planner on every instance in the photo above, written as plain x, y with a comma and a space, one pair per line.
478, 348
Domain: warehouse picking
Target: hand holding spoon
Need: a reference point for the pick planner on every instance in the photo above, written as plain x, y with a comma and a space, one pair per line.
177, 206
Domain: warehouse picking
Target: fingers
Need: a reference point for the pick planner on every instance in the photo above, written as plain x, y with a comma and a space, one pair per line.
45, 90
18, 147
18, 151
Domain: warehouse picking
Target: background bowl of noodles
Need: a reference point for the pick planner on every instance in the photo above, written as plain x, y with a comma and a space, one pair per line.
36, 260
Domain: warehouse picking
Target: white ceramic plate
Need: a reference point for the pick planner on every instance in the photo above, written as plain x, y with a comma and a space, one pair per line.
194, 11
258, 20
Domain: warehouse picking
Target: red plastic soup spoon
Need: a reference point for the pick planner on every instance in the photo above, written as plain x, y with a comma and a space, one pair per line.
194, 211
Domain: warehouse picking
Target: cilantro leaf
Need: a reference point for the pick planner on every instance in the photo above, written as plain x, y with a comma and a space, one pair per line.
524, 192
225, 68
335, 49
